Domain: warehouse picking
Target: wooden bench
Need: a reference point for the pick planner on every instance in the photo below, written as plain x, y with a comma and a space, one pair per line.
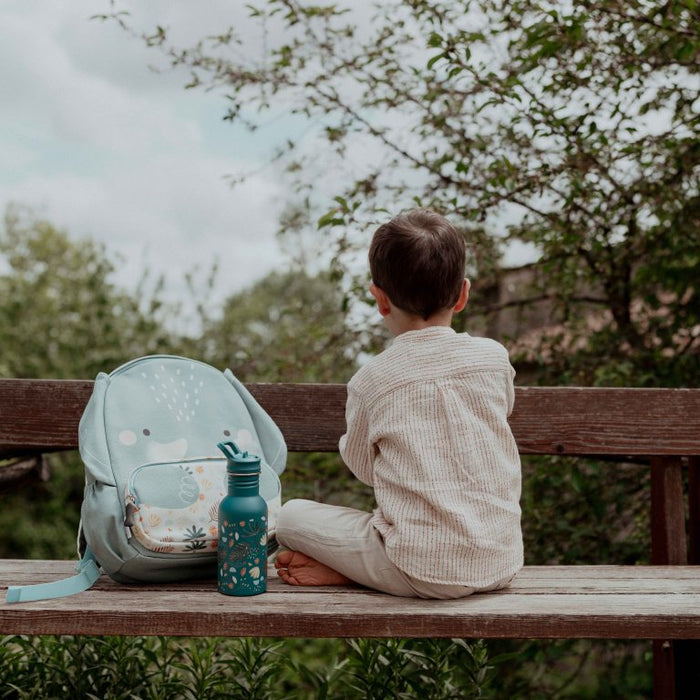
660, 601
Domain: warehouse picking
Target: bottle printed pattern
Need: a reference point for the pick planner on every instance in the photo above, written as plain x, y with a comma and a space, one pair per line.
243, 556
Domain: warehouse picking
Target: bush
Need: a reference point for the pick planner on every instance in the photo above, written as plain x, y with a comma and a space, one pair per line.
112, 668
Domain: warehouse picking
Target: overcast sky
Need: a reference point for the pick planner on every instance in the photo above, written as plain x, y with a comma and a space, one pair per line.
103, 146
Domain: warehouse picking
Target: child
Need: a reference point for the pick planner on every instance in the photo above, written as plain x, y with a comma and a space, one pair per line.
427, 429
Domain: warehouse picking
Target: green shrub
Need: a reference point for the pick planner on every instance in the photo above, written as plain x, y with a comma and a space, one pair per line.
112, 668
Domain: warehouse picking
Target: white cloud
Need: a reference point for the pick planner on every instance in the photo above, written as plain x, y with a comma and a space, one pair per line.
168, 215
104, 147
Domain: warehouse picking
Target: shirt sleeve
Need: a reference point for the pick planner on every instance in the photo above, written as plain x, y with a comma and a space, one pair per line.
355, 447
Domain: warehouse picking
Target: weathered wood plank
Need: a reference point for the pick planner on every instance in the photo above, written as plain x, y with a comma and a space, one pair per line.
43, 415
607, 421
532, 607
533, 580
311, 416
38, 415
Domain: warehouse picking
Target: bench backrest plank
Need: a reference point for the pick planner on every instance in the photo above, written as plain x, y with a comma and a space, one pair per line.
42, 416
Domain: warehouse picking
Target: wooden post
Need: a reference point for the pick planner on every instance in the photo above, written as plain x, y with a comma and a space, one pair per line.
668, 538
687, 651
668, 546
694, 510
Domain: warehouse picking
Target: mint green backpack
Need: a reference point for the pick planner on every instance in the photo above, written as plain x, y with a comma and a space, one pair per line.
154, 475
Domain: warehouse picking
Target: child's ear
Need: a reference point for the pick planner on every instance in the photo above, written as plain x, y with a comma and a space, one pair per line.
381, 298
463, 296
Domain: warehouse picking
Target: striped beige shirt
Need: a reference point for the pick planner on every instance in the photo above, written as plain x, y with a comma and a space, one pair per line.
427, 429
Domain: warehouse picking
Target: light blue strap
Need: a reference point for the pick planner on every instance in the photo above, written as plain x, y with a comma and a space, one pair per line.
88, 573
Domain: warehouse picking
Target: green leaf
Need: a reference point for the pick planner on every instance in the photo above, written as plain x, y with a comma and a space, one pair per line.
435, 40
330, 219
434, 60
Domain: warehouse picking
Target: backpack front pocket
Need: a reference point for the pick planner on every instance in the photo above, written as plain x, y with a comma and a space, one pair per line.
173, 507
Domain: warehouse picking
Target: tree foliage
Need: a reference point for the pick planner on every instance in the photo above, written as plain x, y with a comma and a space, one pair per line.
288, 326
61, 314
570, 128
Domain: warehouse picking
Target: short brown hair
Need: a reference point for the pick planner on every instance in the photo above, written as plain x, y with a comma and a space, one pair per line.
418, 259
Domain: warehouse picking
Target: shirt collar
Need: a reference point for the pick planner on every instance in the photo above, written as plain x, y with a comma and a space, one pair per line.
428, 333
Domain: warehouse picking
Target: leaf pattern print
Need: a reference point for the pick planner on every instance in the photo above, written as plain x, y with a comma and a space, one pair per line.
164, 549
195, 546
239, 553
194, 533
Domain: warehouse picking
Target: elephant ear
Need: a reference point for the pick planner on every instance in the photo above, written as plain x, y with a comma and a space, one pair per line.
269, 435
92, 436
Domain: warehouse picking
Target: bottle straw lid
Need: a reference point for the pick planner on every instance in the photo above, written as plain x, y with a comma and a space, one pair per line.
240, 460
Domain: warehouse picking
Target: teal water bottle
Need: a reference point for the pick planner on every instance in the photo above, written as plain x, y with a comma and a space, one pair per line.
242, 558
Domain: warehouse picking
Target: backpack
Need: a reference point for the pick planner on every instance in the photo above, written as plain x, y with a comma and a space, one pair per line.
154, 476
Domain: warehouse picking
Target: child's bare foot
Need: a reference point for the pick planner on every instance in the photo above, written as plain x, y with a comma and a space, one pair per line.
297, 569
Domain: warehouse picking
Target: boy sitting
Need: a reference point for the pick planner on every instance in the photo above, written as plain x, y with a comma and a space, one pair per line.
427, 429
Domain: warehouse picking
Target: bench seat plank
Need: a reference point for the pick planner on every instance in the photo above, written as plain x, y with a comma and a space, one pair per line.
622, 602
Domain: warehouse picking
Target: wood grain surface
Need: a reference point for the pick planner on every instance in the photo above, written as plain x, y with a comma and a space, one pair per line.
42, 416
624, 602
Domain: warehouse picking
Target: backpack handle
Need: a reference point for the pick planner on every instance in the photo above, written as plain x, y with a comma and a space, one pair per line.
88, 573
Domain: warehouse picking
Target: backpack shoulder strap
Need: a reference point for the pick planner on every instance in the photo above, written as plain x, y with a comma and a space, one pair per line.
88, 573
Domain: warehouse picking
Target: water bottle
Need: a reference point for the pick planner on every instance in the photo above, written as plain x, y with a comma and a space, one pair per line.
242, 557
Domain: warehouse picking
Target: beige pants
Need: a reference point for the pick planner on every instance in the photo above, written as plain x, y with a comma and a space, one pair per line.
345, 540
